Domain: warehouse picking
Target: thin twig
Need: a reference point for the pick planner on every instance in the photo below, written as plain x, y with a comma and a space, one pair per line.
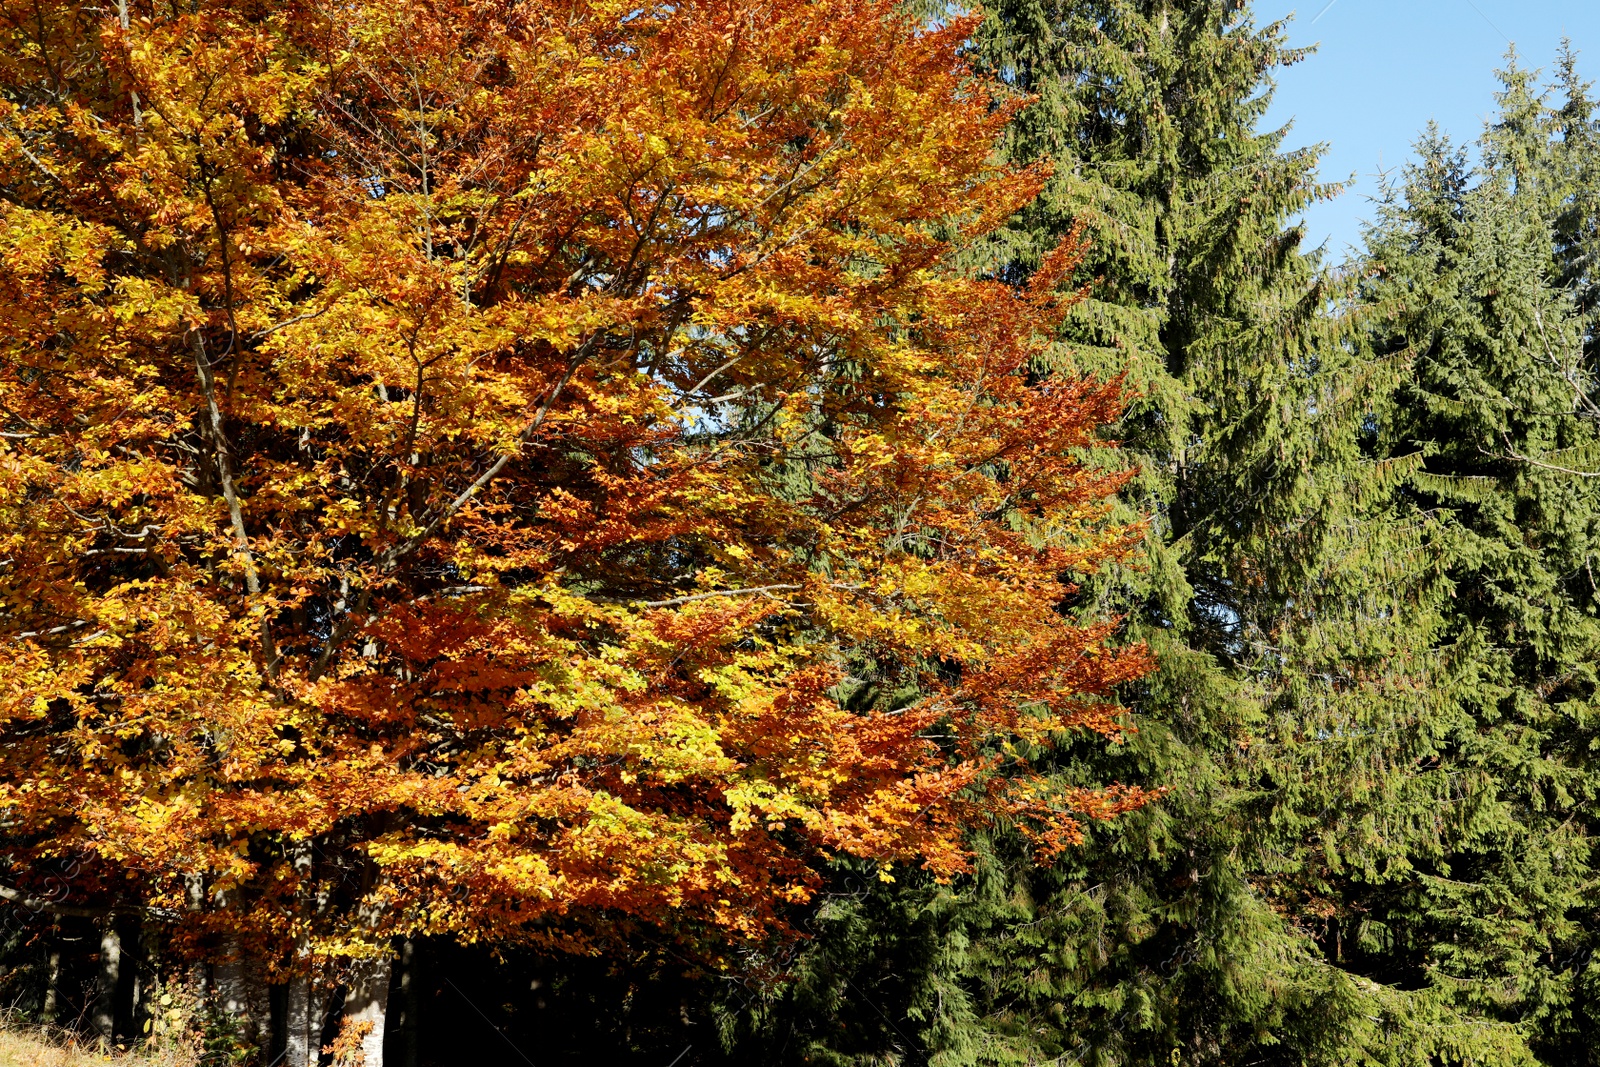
752, 590
1512, 453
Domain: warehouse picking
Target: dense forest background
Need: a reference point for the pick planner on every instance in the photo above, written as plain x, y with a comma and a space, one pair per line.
1368, 581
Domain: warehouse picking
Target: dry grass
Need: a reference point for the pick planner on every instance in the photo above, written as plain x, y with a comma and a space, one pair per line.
33, 1048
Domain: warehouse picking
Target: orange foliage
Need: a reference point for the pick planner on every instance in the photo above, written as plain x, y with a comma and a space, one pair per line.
474, 466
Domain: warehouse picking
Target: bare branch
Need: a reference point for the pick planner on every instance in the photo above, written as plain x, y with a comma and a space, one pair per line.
50, 907
262, 335
1512, 453
752, 590
219, 445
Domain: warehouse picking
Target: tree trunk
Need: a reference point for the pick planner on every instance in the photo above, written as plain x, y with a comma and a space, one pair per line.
304, 1016
142, 1008
241, 993
104, 1019
52, 984
407, 1023
368, 1002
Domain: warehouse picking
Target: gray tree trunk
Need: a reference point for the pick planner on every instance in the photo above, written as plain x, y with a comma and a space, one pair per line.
304, 1016
104, 1019
368, 1002
52, 984
305, 1006
241, 992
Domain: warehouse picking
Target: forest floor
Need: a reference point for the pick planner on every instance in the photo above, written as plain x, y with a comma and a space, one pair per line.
24, 1048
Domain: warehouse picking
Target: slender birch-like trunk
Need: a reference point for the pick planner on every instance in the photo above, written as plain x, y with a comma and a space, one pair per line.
105, 1015
368, 1002
304, 1016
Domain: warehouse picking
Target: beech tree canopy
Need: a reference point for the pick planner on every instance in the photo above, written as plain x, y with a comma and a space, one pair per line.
475, 466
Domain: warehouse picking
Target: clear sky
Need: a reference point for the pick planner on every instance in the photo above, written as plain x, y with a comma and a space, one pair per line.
1385, 67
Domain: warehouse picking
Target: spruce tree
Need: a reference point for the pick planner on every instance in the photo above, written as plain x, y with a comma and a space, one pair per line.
1370, 852
1163, 939
1154, 944
1478, 279
1287, 598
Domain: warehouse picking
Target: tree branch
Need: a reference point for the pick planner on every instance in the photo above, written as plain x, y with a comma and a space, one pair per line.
392, 556
219, 444
50, 907
719, 592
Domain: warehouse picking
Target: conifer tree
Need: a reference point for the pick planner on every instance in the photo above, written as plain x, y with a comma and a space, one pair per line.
1485, 895
1150, 111
1153, 943
1321, 699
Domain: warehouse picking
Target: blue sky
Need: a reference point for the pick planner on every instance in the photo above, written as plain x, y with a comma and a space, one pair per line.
1385, 67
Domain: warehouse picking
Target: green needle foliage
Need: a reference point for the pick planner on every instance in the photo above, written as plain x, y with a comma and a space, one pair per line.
1483, 279
1367, 582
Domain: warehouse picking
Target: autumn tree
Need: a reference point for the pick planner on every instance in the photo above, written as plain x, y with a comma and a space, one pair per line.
523, 472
